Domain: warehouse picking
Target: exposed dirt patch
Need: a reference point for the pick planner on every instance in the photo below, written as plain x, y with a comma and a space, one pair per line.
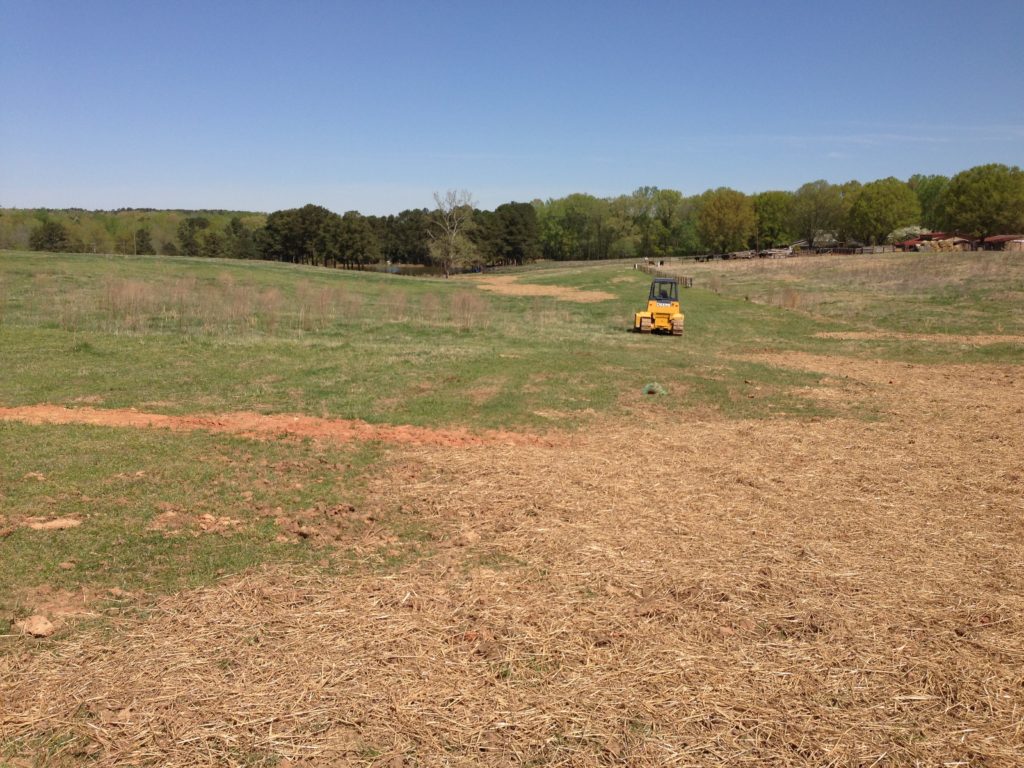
509, 285
51, 523
264, 426
56, 606
774, 592
941, 338
173, 521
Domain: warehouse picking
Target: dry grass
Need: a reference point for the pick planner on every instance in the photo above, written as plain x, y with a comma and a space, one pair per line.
469, 309
943, 338
790, 298
430, 309
764, 593
394, 306
127, 305
810, 283
895, 272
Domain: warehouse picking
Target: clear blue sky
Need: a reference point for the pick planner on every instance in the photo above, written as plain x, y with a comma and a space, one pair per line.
374, 105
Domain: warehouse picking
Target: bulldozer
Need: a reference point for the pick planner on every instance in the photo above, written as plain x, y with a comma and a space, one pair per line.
662, 314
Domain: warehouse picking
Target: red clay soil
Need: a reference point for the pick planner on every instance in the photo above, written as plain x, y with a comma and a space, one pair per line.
264, 426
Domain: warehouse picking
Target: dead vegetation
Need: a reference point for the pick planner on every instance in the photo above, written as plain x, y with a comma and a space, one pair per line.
841, 286
830, 592
942, 338
227, 306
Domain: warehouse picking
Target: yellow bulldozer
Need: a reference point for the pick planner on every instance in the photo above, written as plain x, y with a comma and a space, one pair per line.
662, 314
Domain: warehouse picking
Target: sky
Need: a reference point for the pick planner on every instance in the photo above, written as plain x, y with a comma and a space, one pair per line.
374, 106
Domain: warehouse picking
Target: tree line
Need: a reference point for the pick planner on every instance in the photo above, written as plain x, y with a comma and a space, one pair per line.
455, 234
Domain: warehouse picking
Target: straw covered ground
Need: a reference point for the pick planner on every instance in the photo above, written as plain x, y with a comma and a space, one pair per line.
653, 592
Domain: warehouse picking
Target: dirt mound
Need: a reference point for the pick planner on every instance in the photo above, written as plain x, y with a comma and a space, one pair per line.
508, 285
264, 426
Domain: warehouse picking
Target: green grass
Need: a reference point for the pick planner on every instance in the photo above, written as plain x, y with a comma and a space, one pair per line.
183, 336
943, 293
117, 482
180, 335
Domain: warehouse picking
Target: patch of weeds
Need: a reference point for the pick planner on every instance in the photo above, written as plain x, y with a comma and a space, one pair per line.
496, 561
159, 511
391, 558
640, 728
82, 347
408, 529
255, 758
56, 748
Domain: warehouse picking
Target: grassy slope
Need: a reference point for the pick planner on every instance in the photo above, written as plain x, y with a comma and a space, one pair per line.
120, 332
945, 293
178, 335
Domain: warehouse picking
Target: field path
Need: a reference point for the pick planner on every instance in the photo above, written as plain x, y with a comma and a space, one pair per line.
654, 592
264, 426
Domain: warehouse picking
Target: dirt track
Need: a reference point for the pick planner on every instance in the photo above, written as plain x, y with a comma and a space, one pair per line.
509, 285
835, 592
265, 426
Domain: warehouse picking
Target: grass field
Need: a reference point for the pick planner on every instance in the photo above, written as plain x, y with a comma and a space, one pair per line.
415, 521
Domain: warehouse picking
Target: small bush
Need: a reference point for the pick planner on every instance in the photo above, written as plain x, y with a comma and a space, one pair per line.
469, 309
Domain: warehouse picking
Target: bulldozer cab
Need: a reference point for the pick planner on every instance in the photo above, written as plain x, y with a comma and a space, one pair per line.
664, 291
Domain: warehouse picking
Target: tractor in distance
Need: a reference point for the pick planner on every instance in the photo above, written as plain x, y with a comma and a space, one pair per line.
662, 314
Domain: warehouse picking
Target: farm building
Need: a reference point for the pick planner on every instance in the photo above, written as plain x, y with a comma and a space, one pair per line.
937, 241
1004, 243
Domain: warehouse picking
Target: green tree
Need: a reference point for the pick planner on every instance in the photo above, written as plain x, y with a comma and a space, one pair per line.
643, 210
408, 238
50, 236
929, 191
985, 200
848, 194
355, 241
299, 235
240, 240
212, 244
578, 226
518, 238
657, 217
725, 220
816, 208
485, 235
188, 234
144, 242
772, 217
882, 206
668, 212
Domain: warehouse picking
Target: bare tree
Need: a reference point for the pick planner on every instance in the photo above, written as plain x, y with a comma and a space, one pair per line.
449, 245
